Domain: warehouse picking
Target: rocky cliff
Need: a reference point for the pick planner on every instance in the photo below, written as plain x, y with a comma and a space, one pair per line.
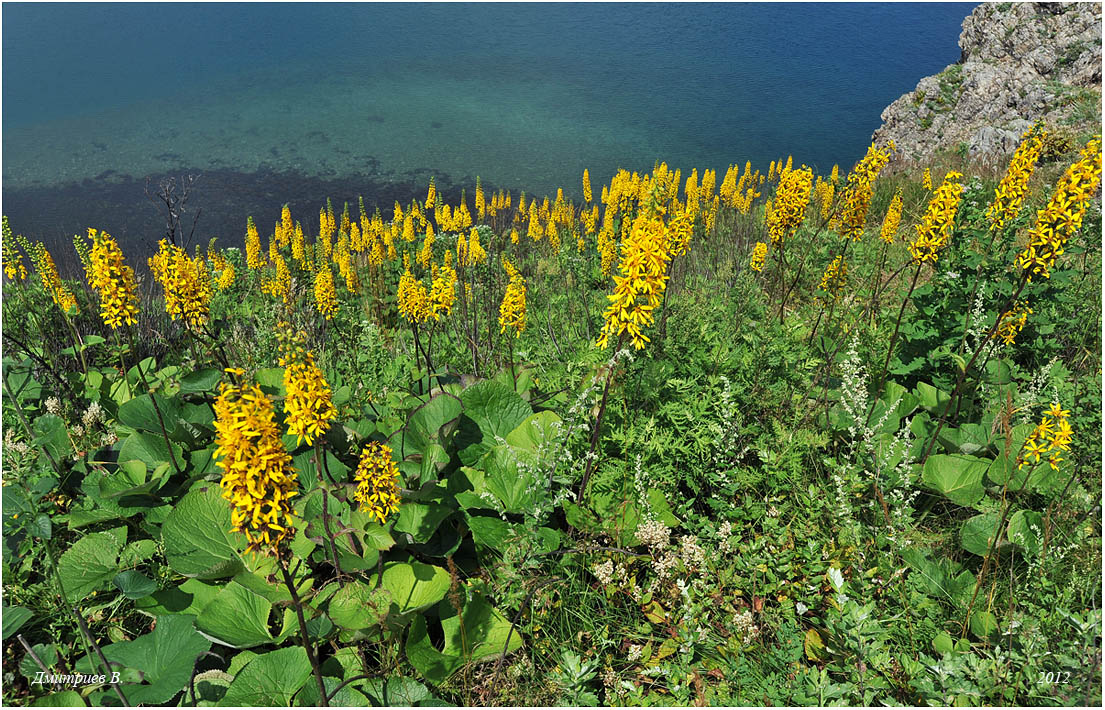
1020, 62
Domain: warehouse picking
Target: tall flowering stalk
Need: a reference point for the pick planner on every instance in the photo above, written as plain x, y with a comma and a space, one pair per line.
512, 310
858, 190
641, 284
185, 282
308, 406
258, 478
1063, 214
935, 229
113, 280
377, 482
1013, 188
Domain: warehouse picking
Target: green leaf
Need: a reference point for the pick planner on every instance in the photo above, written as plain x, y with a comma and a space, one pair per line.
399, 692
189, 598
271, 679
64, 699
957, 476
236, 617
537, 431
510, 473
134, 585
89, 565
934, 400
149, 448
983, 624
420, 520
197, 538
358, 606
496, 409
200, 381
1020, 530
14, 617
978, 533
414, 585
165, 657
51, 434
943, 643
139, 413
484, 635
427, 422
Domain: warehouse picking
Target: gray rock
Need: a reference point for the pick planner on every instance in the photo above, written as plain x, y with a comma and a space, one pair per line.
1019, 62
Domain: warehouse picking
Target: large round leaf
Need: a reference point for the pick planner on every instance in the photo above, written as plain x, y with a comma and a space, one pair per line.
414, 585
197, 537
957, 476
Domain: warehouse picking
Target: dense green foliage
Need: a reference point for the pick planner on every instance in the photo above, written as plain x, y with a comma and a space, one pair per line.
747, 511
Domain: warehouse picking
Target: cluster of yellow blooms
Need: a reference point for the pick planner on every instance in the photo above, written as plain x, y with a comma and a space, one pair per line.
512, 310
893, 218
258, 477
377, 482
759, 256
112, 279
823, 192
1012, 322
641, 284
1010, 193
858, 191
326, 300
586, 186
222, 267
13, 260
926, 180
186, 284
1063, 214
308, 405
412, 299
935, 228
1051, 437
443, 288
48, 273
789, 206
835, 277
253, 245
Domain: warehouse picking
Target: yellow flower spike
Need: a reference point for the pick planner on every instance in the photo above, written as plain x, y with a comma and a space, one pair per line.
789, 206
113, 280
185, 282
377, 482
308, 406
1063, 215
326, 300
258, 478
759, 256
512, 310
935, 228
893, 218
1011, 192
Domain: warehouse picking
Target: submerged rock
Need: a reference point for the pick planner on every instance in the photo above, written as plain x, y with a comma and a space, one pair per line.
1020, 62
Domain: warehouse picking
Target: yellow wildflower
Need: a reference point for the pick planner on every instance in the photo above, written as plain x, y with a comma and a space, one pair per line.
308, 406
377, 482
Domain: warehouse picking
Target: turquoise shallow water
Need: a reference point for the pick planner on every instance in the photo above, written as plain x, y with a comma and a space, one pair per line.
278, 102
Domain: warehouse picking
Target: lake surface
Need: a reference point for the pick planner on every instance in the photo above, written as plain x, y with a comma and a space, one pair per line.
275, 103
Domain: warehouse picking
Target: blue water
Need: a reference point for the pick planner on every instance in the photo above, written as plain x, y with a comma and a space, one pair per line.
524, 95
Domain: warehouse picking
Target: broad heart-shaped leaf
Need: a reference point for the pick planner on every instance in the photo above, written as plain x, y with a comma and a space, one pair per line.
149, 448
496, 409
139, 413
270, 679
14, 618
510, 477
236, 617
134, 584
420, 520
536, 432
399, 692
197, 537
165, 657
484, 636
50, 434
1021, 531
957, 476
983, 624
414, 585
978, 533
89, 565
189, 598
934, 400
427, 421
200, 381
357, 606
64, 699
